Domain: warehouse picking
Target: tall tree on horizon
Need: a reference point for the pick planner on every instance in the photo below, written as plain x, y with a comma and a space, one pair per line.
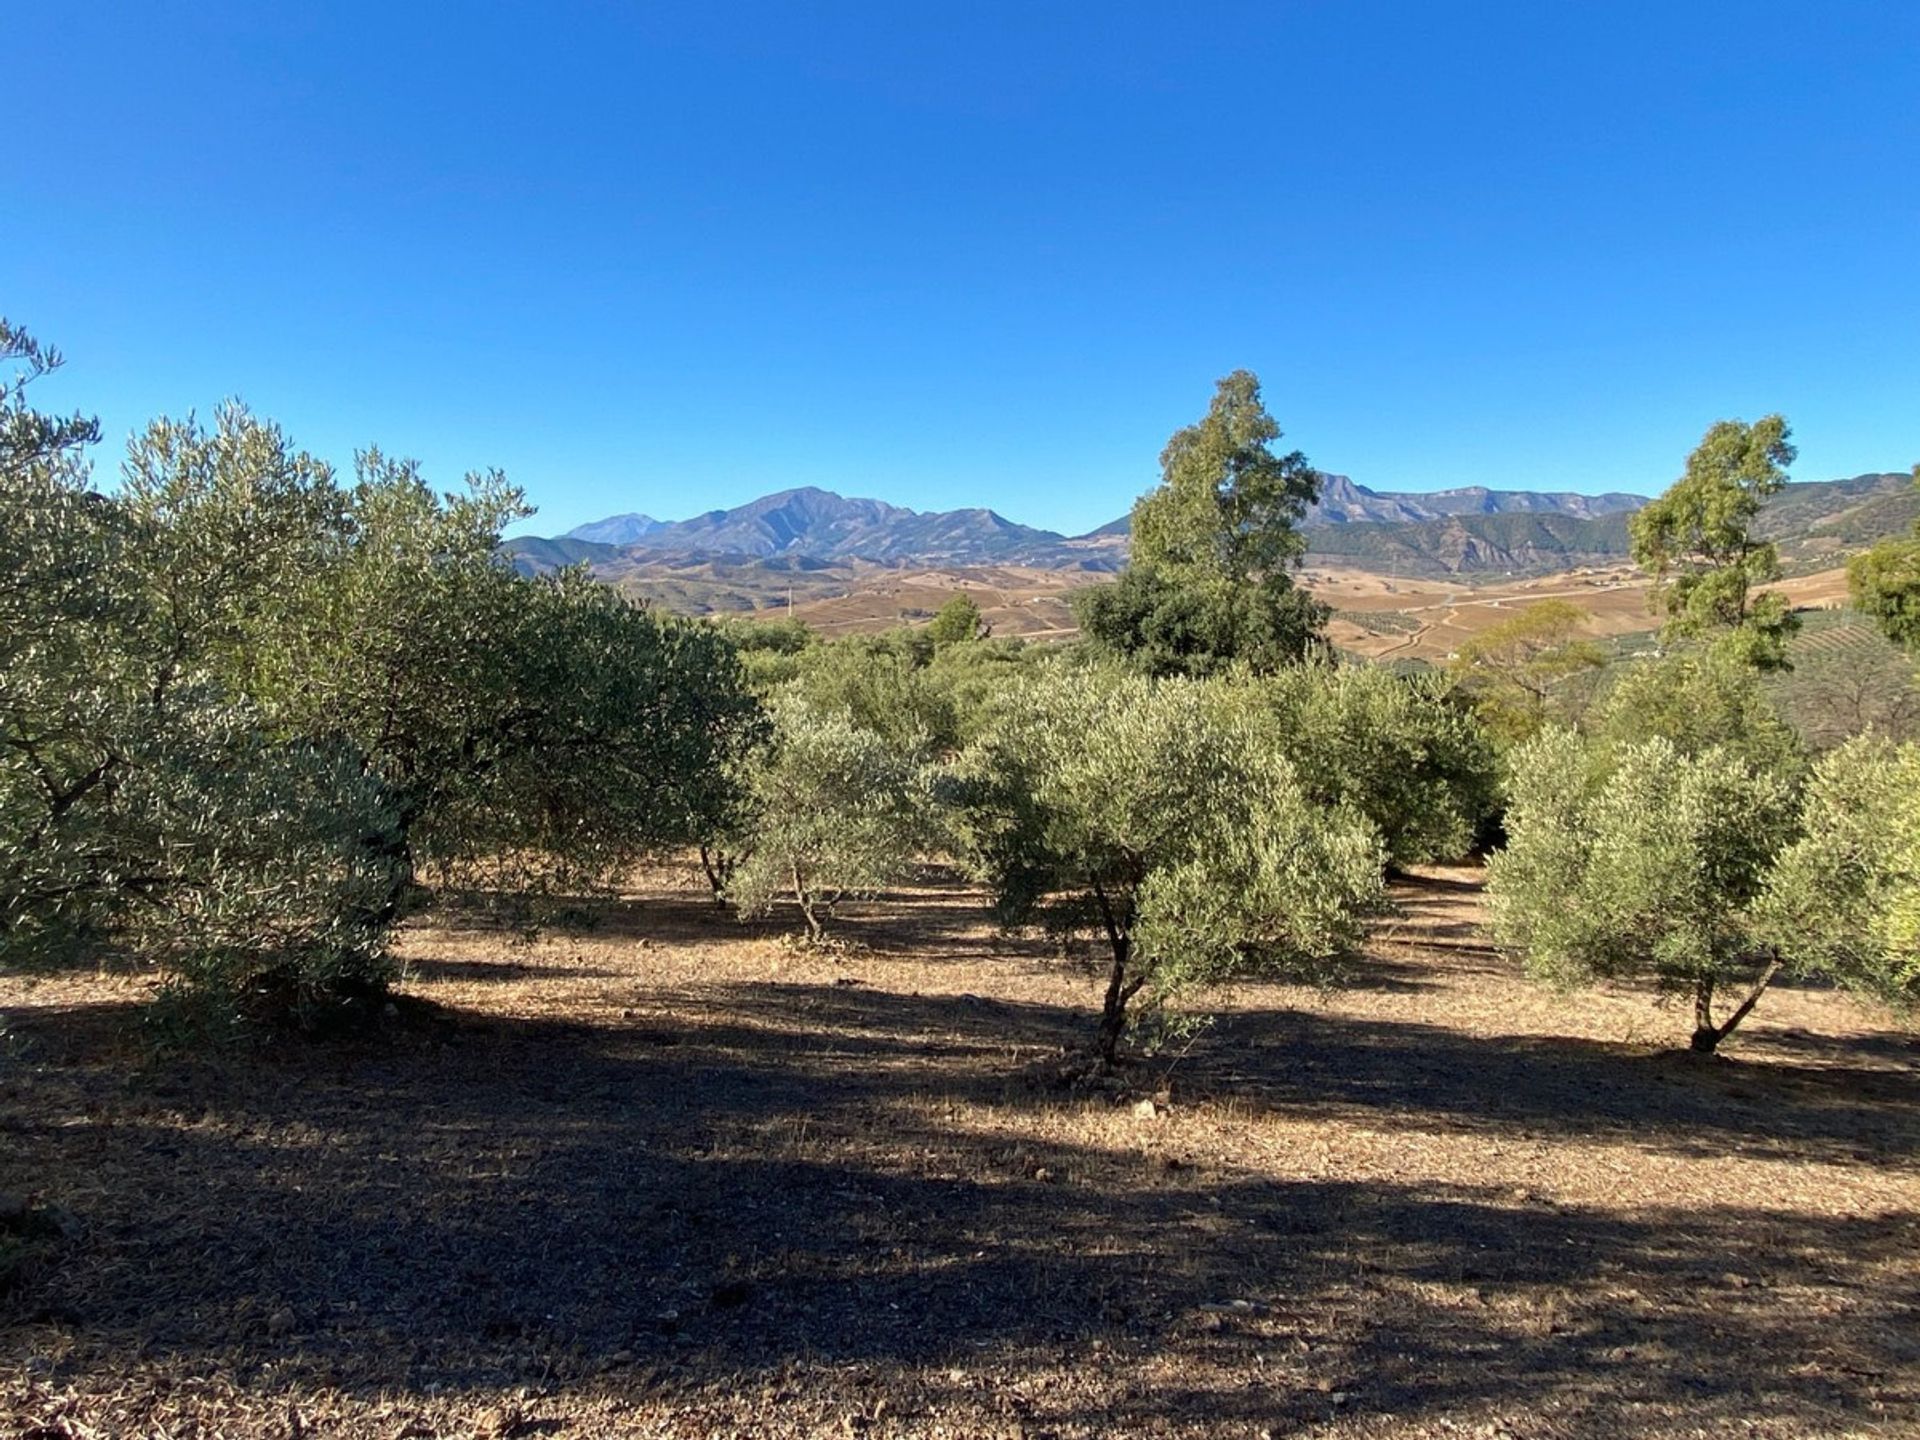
1698, 542
1208, 582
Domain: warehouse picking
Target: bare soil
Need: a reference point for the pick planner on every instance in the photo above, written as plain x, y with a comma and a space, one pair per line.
660, 1173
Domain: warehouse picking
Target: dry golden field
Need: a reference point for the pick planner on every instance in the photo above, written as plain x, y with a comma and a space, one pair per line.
662, 1174
1378, 616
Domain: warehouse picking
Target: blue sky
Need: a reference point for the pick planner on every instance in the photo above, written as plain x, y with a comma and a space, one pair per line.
670, 257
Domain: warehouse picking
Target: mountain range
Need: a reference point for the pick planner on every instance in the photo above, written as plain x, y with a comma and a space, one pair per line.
820, 525
1461, 532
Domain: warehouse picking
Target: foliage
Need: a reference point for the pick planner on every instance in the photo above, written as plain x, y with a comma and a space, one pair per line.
1162, 626
974, 678
1885, 583
1227, 507
838, 809
1698, 701
144, 809
1529, 670
238, 702
771, 651
881, 682
1844, 900
1698, 540
1208, 583
1642, 861
28, 437
1166, 820
958, 622
549, 729
1400, 749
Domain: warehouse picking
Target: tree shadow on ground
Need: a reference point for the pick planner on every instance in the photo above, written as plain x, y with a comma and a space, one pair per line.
799, 1174
1410, 1075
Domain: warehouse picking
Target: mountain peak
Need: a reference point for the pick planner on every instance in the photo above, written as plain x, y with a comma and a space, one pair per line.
615, 529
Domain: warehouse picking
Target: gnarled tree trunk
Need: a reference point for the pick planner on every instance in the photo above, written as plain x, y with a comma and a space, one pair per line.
1706, 1034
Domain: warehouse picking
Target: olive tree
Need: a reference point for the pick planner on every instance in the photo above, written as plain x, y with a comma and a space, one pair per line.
1160, 816
1403, 750
834, 809
547, 730
146, 809
1843, 901
1698, 701
958, 622
1641, 861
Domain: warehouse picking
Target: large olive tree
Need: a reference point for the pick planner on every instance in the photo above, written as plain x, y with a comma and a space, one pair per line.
547, 729
146, 808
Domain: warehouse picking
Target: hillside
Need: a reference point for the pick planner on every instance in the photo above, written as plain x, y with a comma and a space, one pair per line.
1344, 503
1474, 544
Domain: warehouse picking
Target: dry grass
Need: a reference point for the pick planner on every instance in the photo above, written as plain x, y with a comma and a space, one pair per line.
666, 1175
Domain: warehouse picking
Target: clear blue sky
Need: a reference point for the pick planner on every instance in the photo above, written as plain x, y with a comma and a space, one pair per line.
668, 257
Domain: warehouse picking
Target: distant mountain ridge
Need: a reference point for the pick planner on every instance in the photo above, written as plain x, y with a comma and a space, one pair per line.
819, 524
1460, 532
1344, 503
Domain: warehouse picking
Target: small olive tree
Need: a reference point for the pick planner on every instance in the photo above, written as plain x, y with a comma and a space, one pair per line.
834, 809
958, 622
1641, 861
1162, 817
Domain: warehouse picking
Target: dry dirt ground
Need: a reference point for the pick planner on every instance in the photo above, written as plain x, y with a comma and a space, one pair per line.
662, 1174
1439, 616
